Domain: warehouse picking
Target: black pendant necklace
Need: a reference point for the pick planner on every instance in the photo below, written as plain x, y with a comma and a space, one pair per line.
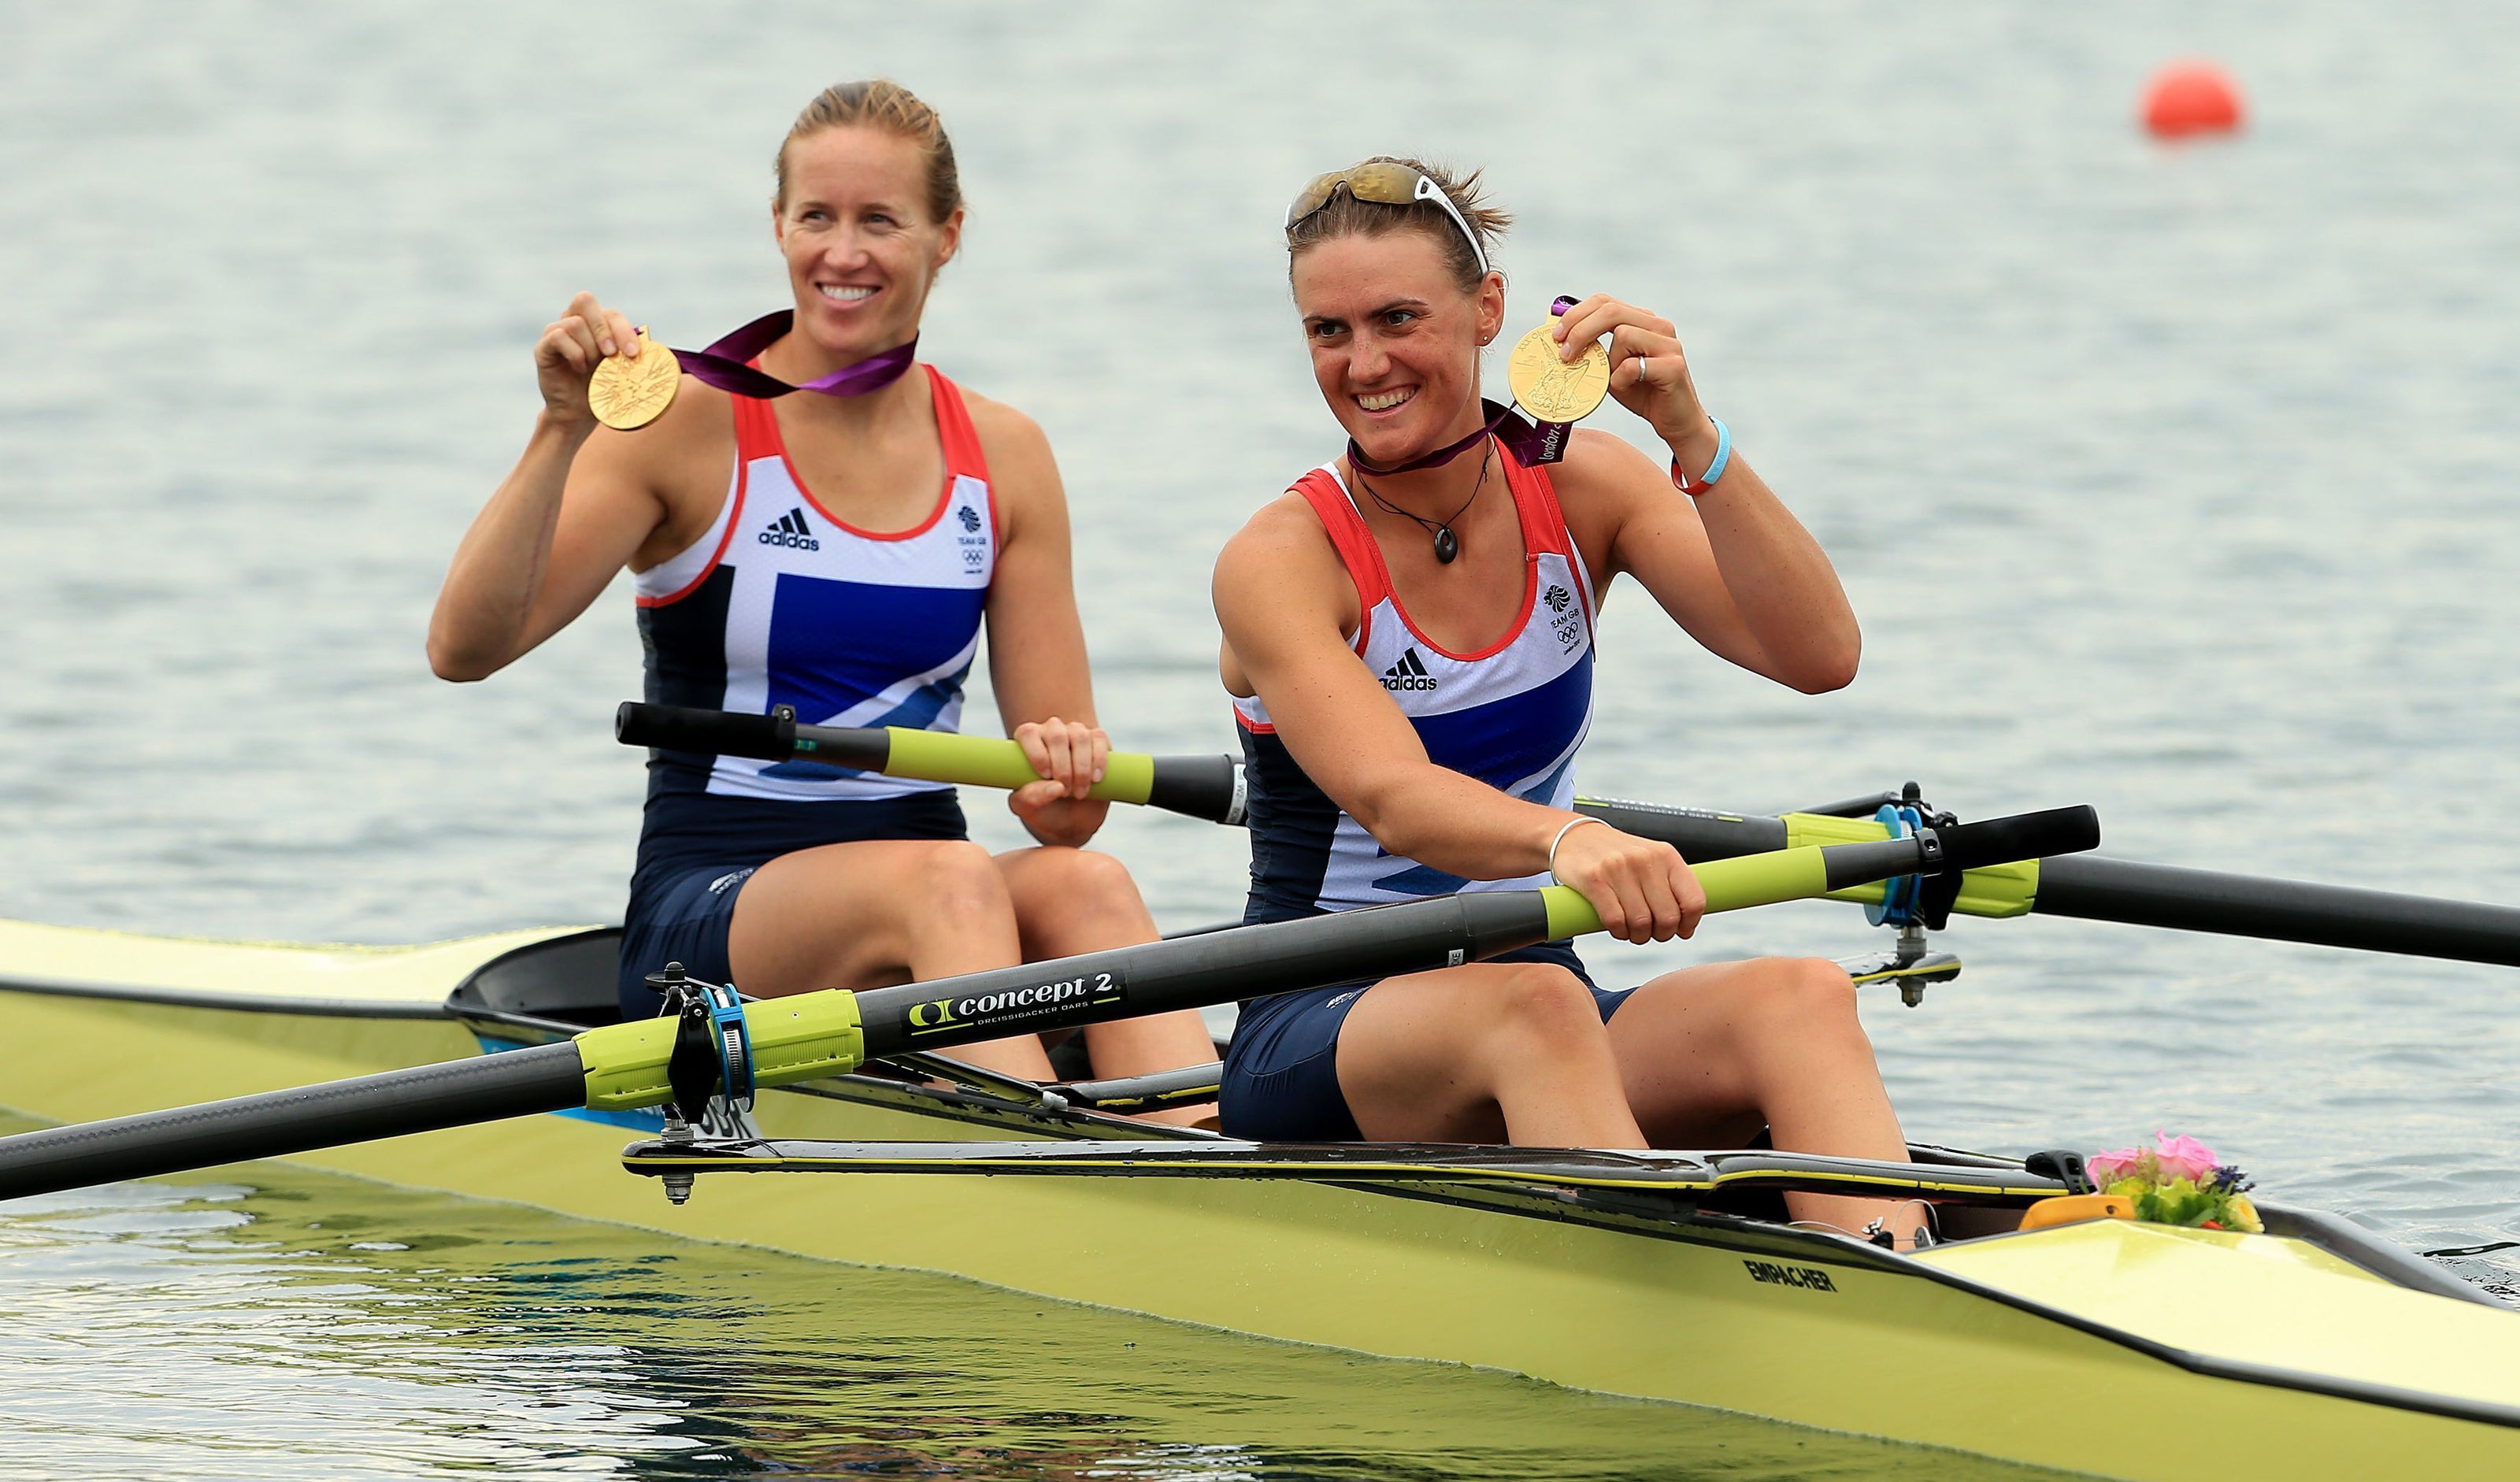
1446, 543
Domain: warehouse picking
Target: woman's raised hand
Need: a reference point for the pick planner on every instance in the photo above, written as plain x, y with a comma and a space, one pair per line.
1070, 757
566, 357
1649, 373
1639, 887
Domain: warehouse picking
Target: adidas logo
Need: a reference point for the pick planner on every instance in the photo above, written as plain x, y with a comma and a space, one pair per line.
791, 530
971, 518
1408, 674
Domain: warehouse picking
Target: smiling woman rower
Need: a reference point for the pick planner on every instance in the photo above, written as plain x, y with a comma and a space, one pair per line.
1408, 639
841, 554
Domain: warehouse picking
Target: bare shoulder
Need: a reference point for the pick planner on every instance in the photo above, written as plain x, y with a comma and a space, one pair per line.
682, 458
1601, 466
1281, 556
1283, 529
1007, 436
1602, 481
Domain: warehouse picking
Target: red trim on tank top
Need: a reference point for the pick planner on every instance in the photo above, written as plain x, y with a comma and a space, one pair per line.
1556, 536
939, 392
733, 517
962, 440
1251, 725
1535, 505
1352, 542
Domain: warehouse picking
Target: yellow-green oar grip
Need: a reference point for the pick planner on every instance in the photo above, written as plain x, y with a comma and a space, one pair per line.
793, 1039
1731, 884
1763, 879
979, 761
1994, 891
1569, 913
625, 1063
797, 1038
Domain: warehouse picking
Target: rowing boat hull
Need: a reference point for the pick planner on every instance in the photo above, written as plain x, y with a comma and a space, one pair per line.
1969, 1348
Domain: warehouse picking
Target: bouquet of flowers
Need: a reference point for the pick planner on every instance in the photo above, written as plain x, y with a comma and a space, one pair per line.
2178, 1181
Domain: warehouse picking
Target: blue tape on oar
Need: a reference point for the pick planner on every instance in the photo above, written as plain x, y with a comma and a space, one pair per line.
1902, 897
733, 1041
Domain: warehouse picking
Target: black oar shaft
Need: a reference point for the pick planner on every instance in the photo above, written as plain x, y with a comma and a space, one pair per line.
2092, 888
1194, 971
1698, 833
278, 1123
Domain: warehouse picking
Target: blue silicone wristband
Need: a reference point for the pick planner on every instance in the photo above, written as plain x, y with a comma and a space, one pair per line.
1714, 471
1723, 454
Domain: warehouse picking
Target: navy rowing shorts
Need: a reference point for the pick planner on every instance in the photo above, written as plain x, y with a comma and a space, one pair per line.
1281, 1068
684, 923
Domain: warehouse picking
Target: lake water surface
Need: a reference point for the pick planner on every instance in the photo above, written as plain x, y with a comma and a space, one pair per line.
2175, 481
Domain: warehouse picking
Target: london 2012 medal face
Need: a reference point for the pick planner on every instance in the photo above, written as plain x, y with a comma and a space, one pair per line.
1551, 388
630, 394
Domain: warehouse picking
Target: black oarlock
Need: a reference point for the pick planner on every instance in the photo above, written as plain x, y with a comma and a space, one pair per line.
712, 1045
710, 1069
2064, 1165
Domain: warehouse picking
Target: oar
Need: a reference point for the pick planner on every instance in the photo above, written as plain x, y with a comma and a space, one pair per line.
1212, 788
1207, 787
2091, 887
623, 1066
1702, 834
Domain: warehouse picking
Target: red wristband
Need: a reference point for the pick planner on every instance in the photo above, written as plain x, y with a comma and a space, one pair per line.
1714, 471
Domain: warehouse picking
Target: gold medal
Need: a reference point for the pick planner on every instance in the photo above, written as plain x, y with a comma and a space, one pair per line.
1551, 388
630, 394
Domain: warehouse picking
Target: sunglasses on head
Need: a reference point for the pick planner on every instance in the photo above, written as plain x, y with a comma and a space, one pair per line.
1383, 183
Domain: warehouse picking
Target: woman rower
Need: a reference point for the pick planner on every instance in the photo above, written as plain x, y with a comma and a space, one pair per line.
1409, 641
841, 554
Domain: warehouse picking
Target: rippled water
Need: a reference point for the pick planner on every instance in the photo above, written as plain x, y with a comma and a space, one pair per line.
2175, 481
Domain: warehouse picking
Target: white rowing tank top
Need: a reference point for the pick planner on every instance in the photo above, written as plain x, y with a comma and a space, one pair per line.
1510, 715
783, 603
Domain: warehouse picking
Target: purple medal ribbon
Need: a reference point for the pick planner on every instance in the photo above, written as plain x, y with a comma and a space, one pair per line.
1530, 443
722, 365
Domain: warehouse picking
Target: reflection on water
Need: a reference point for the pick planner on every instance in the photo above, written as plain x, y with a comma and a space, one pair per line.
313, 1326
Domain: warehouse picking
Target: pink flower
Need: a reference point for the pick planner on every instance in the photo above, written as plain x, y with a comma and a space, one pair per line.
2106, 1168
2183, 1157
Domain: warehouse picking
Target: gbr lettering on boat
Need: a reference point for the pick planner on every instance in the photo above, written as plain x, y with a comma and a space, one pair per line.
1009, 1007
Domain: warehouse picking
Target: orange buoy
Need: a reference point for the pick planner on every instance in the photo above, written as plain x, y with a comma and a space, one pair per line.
2191, 98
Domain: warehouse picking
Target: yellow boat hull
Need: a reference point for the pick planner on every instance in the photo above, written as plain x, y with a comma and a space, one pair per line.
2014, 1347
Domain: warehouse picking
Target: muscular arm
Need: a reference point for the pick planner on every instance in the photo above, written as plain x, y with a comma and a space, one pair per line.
581, 502
1037, 662
1283, 599
1735, 568
1286, 603
570, 514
